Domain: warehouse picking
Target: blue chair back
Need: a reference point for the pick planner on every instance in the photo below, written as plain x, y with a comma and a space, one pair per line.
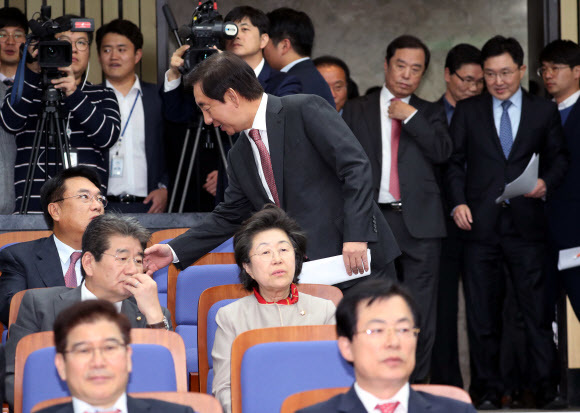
211, 329
160, 277
153, 370
313, 365
191, 282
226, 246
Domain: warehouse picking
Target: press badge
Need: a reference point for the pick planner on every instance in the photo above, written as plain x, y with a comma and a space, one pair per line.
116, 166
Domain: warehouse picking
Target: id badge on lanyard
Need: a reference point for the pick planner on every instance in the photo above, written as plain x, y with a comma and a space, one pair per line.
118, 159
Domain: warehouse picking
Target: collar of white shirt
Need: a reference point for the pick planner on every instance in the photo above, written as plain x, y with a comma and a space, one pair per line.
258, 69
294, 63
370, 401
64, 251
569, 101
136, 85
386, 96
80, 406
88, 295
260, 118
516, 100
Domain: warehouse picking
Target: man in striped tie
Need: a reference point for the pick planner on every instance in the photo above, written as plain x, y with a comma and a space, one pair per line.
376, 325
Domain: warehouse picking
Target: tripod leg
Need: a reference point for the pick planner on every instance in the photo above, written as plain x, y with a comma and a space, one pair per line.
221, 147
179, 168
62, 142
191, 162
32, 164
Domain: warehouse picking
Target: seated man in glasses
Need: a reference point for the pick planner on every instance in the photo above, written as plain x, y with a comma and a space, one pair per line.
91, 339
70, 200
91, 115
376, 327
112, 266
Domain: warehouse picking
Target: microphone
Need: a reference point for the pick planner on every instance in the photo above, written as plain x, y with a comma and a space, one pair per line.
171, 23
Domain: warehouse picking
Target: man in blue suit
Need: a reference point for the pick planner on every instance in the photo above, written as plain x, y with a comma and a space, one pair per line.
289, 49
376, 327
70, 200
138, 177
560, 70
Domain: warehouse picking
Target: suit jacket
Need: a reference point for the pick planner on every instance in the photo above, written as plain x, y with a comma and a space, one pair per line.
478, 171
424, 142
323, 178
419, 402
312, 81
154, 130
7, 160
178, 106
564, 202
133, 406
38, 311
32, 264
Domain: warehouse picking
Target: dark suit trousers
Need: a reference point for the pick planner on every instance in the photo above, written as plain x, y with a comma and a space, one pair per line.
445, 359
484, 294
417, 268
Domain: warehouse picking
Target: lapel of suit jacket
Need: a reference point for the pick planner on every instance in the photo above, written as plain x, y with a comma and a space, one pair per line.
488, 117
67, 298
350, 403
48, 263
249, 170
137, 405
417, 104
373, 121
417, 403
264, 75
130, 308
275, 128
524, 122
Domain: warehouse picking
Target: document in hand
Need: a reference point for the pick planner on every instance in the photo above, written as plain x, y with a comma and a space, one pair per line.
329, 271
524, 183
569, 258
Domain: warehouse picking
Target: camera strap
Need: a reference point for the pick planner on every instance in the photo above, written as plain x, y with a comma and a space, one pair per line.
19, 77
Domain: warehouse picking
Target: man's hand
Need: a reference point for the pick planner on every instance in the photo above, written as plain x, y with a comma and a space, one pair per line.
33, 52
462, 217
355, 259
157, 256
144, 289
400, 110
539, 191
211, 182
67, 83
176, 62
158, 197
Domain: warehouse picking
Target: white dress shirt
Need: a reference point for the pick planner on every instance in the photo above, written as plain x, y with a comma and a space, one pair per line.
514, 112
290, 65
64, 253
131, 144
87, 295
80, 406
569, 101
385, 196
369, 401
260, 124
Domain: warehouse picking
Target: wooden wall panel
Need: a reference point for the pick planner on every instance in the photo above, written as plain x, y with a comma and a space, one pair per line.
93, 9
73, 7
149, 29
110, 10
21, 4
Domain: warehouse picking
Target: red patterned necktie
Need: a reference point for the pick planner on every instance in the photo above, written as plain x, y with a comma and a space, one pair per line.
394, 175
387, 407
266, 164
70, 278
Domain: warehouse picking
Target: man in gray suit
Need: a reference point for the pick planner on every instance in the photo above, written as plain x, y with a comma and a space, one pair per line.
92, 341
405, 138
295, 152
112, 266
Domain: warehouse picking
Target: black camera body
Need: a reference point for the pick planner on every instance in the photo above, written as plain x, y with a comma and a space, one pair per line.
207, 30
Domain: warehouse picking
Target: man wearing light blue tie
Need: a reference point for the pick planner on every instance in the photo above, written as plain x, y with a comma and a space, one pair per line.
494, 137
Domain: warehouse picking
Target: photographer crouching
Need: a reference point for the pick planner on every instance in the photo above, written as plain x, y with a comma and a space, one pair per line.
87, 113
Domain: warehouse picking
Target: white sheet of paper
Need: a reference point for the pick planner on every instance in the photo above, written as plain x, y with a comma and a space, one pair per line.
567, 258
524, 183
329, 271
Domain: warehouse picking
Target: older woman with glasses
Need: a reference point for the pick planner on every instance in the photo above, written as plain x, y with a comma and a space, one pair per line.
269, 249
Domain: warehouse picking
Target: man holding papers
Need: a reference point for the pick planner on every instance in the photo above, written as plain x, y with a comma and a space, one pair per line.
495, 136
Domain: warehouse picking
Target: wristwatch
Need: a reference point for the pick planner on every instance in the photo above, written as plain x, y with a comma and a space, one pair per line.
163, 324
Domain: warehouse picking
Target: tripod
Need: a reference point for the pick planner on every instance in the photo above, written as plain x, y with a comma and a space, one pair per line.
50, 126
200, 126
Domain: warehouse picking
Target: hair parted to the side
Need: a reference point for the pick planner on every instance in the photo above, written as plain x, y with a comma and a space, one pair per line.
498, 45
407, 41
561, 51
13, 17
123, 27
257, 17
294, 25
271, 217
88, 312
462, 54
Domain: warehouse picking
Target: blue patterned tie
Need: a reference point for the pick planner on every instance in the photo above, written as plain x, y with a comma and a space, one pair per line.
505, 129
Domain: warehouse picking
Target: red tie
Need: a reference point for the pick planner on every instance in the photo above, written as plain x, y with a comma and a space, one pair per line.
387, 407
266, 164
394, 175
70, 278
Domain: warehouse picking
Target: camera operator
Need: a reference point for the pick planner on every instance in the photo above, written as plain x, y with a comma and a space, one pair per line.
91, 115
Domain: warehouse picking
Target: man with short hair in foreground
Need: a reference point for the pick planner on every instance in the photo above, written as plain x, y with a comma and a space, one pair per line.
93, 356
112, 265
376, 327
